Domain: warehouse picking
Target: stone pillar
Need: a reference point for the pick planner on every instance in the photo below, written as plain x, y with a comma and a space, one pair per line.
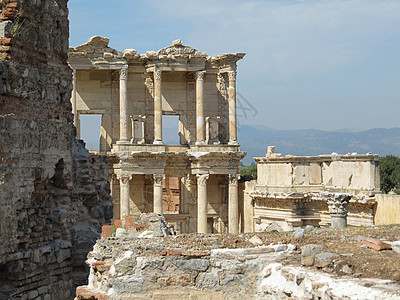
158, 193
124, 199
233, 204
232, 108
74, 110
123, 105
200, 123
157, 108
338, 206
202, 203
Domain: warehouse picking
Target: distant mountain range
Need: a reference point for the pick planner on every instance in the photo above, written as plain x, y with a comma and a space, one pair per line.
255, 139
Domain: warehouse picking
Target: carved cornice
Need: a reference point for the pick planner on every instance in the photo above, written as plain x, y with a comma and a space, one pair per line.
96, 46
178, 49
202, 179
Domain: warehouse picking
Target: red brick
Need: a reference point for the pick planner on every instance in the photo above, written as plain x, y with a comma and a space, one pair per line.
106, 231
129, 222
118, 223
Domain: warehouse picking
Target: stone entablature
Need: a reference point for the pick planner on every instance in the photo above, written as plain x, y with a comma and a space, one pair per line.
295, 191
133, 92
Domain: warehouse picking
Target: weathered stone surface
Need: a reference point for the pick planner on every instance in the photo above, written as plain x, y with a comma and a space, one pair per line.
255, 240
311, 249
324, 259
192, 264
52, 190
299, 233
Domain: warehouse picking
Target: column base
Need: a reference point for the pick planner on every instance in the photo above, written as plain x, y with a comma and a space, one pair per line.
233, 143
338, 221
200, 143
158, 143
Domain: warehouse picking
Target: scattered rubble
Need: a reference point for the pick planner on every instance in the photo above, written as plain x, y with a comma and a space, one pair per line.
257, 266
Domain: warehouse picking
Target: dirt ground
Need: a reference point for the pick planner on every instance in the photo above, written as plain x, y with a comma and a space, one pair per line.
364, 262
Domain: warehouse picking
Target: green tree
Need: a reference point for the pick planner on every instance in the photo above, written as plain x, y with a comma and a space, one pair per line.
390, 173
249, 170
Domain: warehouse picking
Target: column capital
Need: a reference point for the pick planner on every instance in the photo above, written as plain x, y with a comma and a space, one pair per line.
158, 178
233, 179
123, 73
338, 202
200, 75
202, 179
232, 75
124, 178
157, 74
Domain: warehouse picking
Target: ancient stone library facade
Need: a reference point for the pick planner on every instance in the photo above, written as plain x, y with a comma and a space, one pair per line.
133, 92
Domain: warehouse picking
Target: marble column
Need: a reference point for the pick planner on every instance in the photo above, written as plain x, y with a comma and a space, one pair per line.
74, 110
202, 203
338, 207
200, 121
123, 105
232, 108
157, 108
158, 193
124, 195
233, 204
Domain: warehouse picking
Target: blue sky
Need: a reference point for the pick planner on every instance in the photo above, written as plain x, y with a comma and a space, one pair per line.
310, 64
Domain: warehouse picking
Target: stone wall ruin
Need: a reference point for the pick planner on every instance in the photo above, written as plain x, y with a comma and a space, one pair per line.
52, 192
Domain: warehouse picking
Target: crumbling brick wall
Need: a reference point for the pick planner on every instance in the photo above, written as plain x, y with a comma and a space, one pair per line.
43, 189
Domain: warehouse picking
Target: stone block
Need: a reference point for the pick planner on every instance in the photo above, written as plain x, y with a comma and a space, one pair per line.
256, 241
33, 294
192, 264
311, 249
324, 259
307, 260
298, 233
375, 243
